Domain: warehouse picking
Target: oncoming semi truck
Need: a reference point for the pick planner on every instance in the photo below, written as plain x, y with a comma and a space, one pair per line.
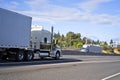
18, 41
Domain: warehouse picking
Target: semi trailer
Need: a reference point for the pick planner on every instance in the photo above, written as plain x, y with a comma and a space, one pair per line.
19, 42
91, 49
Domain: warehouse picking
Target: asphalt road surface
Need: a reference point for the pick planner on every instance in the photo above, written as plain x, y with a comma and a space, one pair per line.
70, 67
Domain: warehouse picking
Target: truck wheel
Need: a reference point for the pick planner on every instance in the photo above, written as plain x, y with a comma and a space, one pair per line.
29, 56
20, 55
57, 56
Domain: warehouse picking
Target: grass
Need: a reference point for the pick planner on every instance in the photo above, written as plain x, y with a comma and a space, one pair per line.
109, 52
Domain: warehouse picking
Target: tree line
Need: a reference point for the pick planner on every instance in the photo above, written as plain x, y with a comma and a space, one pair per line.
75, 40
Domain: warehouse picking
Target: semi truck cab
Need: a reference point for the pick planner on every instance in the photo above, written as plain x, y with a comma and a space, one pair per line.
43, 44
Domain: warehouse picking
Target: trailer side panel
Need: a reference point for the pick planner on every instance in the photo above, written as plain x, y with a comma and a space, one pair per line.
14, 29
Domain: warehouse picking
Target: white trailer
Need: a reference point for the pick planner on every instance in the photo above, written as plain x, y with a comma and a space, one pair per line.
14, 29
15, 36
91, 49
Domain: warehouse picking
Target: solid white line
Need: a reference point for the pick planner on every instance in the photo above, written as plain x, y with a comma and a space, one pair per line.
106, 78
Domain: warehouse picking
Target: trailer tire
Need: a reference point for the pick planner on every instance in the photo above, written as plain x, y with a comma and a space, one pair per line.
29, 56
57, 56
20, 55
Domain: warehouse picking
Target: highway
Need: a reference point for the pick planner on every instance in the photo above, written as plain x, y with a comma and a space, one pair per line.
69, 67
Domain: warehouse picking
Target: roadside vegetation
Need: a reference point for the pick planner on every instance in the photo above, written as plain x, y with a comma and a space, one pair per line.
74, 40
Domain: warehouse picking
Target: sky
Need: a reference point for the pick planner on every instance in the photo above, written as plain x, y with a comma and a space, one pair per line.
95, 19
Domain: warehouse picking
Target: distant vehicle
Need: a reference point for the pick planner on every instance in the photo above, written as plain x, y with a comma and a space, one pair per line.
91, 48
19, 42
83, 50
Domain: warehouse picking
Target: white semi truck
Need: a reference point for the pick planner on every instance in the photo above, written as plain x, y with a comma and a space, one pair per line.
19, 42
91, 48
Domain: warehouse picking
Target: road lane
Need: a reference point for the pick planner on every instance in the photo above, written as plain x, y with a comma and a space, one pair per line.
64, 59
48, 66
86, 70
36, 62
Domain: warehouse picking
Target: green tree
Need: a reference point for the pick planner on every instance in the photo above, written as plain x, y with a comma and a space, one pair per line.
84, 40
111, 43
69, 38
57, 35
104, 46
73, 39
